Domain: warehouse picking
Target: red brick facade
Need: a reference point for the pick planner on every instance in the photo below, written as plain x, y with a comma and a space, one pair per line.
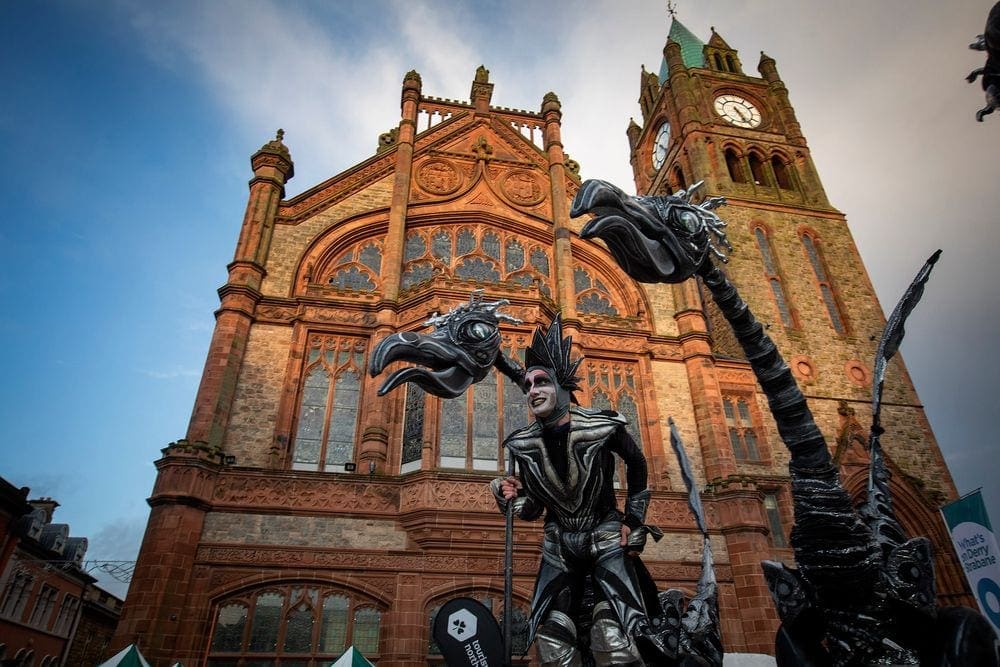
261, 544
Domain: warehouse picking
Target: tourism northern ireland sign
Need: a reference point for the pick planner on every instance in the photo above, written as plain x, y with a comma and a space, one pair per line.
976, 546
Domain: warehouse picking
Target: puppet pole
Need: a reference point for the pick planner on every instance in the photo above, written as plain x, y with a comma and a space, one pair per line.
508, 573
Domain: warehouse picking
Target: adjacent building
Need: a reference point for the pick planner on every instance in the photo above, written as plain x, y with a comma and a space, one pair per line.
48, 602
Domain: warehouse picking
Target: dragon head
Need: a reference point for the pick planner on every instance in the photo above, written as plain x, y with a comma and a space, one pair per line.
654, 239
461, 350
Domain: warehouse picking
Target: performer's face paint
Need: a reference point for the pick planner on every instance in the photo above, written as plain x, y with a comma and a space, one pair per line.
541, 392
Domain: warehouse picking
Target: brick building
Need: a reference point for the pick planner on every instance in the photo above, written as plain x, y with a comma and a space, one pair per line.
47, 599
303, 513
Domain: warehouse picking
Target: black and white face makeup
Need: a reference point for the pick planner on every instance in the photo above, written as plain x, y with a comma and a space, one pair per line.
541, 392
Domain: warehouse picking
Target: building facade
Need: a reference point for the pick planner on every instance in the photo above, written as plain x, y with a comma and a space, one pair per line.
47, 599
302, 513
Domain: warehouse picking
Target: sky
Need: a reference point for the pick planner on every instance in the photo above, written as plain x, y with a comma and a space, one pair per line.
130, 125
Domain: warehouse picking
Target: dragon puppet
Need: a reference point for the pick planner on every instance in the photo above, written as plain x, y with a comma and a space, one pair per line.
461, 350
862, 593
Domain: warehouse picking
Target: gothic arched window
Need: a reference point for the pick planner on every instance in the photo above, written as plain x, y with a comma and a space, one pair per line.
824, 284
781, 173
773, 277
758, 171
288, 624
592, 296
473, 425
735, 166
329, 404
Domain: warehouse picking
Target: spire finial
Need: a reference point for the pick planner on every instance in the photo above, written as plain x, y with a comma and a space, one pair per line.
672, 9
280, 134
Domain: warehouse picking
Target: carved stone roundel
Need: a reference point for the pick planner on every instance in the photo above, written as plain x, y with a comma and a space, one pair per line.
522, 187
439, 177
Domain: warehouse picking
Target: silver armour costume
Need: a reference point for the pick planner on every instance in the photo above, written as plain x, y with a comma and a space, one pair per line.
567, 472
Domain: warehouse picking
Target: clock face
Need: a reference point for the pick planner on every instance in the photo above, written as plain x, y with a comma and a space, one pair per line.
661, 144
737, 110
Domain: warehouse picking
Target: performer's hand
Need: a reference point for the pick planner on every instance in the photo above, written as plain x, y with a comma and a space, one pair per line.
625, 533
510, 487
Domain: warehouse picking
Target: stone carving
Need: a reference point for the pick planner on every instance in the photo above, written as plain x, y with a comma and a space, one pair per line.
522, 187
252, 491
439, 177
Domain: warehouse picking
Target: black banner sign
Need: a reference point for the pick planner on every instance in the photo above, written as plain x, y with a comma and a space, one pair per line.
468, 635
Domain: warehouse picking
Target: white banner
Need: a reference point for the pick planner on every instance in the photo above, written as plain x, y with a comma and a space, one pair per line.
976, 546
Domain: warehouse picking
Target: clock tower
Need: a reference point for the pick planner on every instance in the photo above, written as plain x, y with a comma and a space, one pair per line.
704, 118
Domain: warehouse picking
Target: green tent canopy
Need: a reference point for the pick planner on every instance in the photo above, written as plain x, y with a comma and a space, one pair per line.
127, 657
352, 658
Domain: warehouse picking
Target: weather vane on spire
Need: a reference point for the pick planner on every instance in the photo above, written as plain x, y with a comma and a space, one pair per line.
672, 9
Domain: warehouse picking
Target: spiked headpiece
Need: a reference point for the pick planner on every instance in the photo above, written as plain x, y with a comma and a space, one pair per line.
551, 351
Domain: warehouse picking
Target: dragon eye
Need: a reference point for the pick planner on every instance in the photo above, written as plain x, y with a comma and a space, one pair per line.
479, 330
689, 220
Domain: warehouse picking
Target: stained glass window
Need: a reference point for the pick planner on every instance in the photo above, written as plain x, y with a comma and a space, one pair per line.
298, 629
413, 428
466, 242
491, 245
417, 273
478, 269
514, 255
229, 626
540, 261
415, 247
352, 278
283, 623
333, 630
441, 247
329, 404
366, 630
592, 296
485, 437
266, 618
371, 257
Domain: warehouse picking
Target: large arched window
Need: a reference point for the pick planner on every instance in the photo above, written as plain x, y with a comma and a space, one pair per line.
328, 405
823, 283
773, 277
473, 425
293, 625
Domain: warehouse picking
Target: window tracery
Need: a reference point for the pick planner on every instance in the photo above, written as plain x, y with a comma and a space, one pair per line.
357, 268
592, 296
291, 623
474, 252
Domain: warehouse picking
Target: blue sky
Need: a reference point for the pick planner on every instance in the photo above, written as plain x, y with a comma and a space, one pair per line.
128, 128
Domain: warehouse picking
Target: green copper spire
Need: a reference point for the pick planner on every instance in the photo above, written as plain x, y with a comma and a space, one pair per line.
691, 48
